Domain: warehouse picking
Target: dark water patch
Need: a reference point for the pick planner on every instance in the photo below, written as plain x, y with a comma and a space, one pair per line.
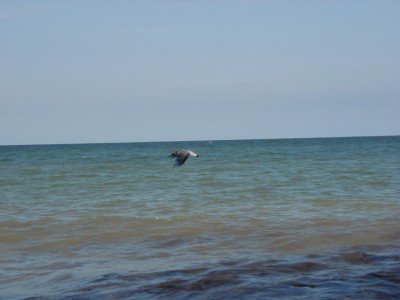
356, 257
351, 274
210, 281
377, 294
160, 275
391, 276
228, 276
229, 263
299, 284
271, 267
306, 267
171, 243
364, 258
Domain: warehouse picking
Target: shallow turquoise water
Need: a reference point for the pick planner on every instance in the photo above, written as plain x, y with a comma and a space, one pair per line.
255, 218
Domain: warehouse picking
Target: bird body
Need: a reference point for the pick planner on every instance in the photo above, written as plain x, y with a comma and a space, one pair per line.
181, 156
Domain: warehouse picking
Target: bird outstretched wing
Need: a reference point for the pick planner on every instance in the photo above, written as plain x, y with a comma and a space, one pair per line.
180, 160
181, 157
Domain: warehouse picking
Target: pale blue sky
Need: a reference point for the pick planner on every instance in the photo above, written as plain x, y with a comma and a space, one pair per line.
126, 71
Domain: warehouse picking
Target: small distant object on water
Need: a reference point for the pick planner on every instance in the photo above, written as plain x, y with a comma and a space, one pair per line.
182, 156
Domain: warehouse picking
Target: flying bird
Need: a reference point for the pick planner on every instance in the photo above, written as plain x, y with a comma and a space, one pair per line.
182, 156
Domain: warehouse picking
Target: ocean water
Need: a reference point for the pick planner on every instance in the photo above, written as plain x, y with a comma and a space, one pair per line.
251, 219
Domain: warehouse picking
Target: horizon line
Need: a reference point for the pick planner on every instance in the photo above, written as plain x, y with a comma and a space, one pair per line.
202, 140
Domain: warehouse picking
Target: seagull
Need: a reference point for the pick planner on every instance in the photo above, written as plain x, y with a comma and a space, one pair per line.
182, 156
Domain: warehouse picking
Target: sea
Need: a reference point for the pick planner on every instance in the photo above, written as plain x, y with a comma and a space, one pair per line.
247, 219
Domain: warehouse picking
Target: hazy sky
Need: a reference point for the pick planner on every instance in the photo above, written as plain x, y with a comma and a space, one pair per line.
126, 71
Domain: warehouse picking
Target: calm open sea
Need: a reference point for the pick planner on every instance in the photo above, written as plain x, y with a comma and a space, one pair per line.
289, 218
